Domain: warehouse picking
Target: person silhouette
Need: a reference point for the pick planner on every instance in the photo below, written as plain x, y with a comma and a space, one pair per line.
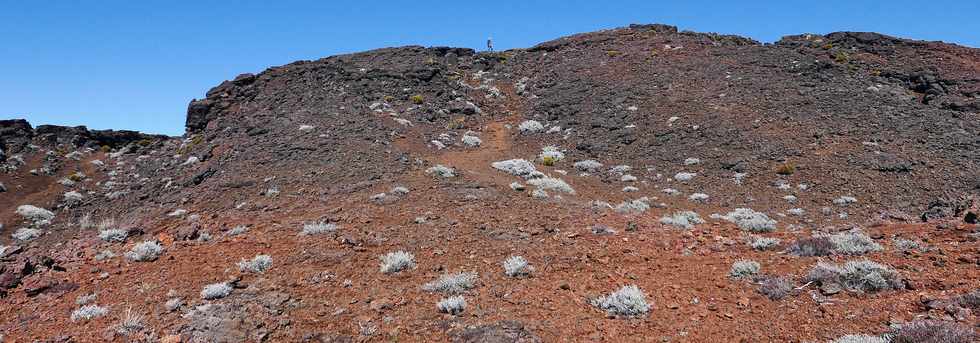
490, 44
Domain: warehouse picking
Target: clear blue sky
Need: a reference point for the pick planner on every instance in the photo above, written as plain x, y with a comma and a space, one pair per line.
136, 64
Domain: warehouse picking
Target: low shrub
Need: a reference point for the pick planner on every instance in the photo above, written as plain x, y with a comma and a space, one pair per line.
682, 219
853, 242
934, 331
258, 264
88, 312
34, 213
517, 266
26, 234
698, 197
861, 339
902, 244
628, 301
318, 228
85, 299
550, 183
530, 126
633, 206
131, 323
588, 166
744, 268
845, 200
113, 235
517, 167
454, 283
452, 305
750, 220
173, 304
145, 252
216, 291
812, 246
763, 243
394, 262
856, 276
684, 176
441, 171
776, 288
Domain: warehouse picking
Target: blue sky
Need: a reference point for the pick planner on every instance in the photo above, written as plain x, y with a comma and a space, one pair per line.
136, 64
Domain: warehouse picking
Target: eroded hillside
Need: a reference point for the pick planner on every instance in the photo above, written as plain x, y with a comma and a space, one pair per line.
797, 191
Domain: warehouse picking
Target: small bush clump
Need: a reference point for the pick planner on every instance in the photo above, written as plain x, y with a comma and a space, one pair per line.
107, 223
452, 305
763, 243
530, 126
698, 197
633, 206
934, 331
394, 262
517, 266
26, 234
776, 288
258, 264
812, 246
454, 283
743, 268
684, 176
750, 220
620, 169
85, 222
550, 183
173, 304
902, 244
113, 235
471, 141
845, 200
238, 230
550, 155
216, 291
73, 198
796, 211
853, 242
400, 190
588, 166
683, 219
131, 323
88, 312
539, 194
34, 213
861, 339
628, 301
145, 252
85, 299
969, 300
318, 228
856, 276
517, 167
104, 255
441, 171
